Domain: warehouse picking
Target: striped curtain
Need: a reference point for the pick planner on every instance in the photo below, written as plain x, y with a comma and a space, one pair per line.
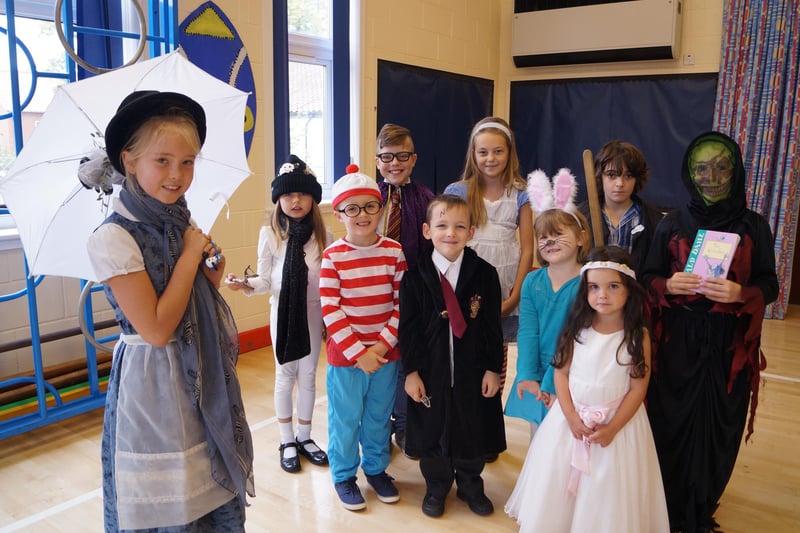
757, 104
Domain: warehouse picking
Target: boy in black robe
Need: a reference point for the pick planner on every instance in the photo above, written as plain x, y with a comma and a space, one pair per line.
453, 355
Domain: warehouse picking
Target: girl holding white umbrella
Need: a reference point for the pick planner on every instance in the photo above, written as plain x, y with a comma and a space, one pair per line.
177, 450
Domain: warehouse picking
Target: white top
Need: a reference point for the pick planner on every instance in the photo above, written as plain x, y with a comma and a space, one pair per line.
451, 272
271, 255
112, 250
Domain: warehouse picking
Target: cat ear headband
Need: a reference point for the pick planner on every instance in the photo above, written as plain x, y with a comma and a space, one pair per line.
561, 194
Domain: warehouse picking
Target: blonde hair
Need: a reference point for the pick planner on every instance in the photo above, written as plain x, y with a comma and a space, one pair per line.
555, 221
472, 175
279, 221
174, 120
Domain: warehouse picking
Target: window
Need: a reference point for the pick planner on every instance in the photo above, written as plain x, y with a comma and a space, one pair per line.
42, 64
318, 49
310, 77
41, 68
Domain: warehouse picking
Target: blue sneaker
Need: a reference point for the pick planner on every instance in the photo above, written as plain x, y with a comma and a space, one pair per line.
350, 495
383, 487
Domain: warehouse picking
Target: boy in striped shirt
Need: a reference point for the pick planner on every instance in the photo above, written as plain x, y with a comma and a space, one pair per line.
359, 288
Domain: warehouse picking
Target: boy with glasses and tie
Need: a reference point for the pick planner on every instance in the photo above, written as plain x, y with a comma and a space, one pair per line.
359, 290
452, 350
406, 202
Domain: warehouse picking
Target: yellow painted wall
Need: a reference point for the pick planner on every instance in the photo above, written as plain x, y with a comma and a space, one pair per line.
470, 37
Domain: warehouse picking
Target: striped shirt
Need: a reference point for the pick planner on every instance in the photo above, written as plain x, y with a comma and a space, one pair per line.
359, 290
622, 235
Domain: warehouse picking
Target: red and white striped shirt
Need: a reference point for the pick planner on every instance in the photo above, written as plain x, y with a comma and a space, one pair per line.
359, 288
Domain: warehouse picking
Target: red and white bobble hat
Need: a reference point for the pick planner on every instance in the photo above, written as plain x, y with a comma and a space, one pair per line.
352, 184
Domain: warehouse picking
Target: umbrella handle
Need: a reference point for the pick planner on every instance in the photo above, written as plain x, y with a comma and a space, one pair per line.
87, 290
91, 68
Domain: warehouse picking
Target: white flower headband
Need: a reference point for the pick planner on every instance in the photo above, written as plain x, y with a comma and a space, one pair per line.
495, 125
561, 194
613, 265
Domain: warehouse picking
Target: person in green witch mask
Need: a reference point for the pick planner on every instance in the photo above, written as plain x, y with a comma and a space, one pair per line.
706, 345
711, 170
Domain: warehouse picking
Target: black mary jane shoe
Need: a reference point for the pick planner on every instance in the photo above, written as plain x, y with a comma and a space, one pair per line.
289, 464
318, 457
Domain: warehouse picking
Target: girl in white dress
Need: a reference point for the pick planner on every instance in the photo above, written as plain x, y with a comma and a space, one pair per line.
498, 198
592, 465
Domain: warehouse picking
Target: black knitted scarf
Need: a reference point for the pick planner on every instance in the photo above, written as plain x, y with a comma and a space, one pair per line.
292, 340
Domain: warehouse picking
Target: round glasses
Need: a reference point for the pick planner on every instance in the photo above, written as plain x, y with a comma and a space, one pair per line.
387, 157
353, 210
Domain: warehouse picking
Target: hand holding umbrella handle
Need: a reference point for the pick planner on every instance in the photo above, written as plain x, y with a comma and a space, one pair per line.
213, 260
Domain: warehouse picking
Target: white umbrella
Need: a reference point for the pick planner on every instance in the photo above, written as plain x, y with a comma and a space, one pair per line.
55, 214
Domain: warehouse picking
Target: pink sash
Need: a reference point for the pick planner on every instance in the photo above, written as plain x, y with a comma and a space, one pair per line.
592, 416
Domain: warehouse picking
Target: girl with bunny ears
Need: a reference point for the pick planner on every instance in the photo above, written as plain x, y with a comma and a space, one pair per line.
547, 293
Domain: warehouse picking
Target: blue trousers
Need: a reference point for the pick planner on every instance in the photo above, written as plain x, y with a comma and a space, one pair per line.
359, 411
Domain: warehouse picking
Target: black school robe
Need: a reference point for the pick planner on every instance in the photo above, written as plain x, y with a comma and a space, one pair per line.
460, 423
706, 355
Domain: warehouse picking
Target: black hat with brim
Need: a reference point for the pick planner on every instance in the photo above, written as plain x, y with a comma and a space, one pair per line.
136, 109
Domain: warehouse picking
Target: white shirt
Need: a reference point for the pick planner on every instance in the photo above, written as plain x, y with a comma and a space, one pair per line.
450, 271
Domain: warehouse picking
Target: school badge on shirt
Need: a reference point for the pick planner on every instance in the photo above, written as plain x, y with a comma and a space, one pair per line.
474, 305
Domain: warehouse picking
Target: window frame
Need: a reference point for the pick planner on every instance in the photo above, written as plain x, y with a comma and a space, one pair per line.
340, 95
311, 50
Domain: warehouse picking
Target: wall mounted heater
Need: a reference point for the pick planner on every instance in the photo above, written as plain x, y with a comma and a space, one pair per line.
544, 32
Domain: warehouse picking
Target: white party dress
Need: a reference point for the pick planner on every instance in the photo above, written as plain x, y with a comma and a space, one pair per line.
615, 489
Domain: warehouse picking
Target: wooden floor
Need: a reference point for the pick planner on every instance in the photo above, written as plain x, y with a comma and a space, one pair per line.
50, 477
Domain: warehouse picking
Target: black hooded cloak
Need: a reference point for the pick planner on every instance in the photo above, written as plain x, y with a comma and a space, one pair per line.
707, 355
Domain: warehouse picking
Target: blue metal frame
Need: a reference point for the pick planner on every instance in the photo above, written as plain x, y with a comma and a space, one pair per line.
163, 38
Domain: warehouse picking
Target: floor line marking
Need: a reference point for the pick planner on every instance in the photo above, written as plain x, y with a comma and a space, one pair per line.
97, 493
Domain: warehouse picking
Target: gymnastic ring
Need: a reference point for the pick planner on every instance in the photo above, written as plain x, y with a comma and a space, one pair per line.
91, 68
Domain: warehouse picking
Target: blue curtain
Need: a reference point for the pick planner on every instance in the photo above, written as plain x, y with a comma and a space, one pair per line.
99, 51
439, 108
757, 105
555, 121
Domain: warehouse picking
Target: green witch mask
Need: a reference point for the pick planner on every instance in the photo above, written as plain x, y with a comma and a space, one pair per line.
711, 169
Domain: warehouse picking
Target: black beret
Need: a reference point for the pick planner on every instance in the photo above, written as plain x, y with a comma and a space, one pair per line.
138, 107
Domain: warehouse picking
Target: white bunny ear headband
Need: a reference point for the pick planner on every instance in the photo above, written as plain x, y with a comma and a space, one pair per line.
561, 194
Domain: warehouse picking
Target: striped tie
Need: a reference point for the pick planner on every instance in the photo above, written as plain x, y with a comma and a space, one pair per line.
393, 225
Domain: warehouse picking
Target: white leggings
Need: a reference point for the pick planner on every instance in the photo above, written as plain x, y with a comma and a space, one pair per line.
302, 371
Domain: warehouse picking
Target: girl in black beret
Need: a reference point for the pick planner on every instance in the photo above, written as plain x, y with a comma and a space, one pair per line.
177, 453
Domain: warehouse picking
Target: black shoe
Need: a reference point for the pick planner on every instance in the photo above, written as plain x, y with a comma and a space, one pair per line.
491, 457
315, 457
432, 506
289, 464
478, 504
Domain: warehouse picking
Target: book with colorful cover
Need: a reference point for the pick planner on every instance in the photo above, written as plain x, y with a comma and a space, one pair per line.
712, 253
